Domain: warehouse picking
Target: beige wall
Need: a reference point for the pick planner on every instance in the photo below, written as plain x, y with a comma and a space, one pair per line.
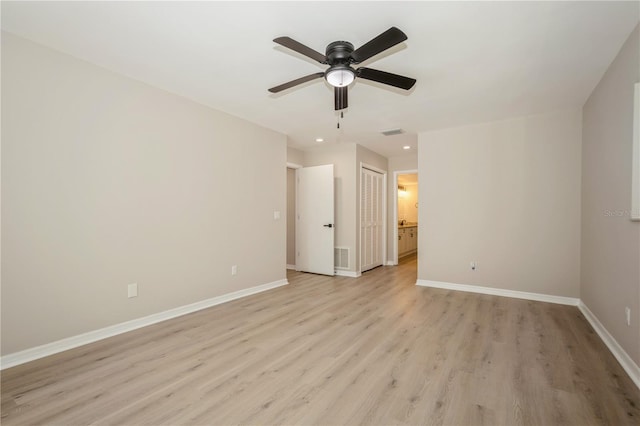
295, 156
107, 181
408, 162
610, 267
343, 157
507, 195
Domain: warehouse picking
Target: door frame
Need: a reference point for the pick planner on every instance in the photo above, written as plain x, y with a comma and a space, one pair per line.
297, 221
292, 166
396, 174
384, 213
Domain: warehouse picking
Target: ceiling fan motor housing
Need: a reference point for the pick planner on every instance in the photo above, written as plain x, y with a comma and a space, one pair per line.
339, 52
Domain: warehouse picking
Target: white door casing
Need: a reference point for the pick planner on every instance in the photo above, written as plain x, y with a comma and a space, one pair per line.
315, 220
372, 217
394, 199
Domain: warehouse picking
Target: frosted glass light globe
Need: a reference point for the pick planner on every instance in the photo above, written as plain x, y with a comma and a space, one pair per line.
340, 77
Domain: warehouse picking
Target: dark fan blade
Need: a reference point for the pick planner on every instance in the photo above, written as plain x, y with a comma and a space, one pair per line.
384, 41
296, 82
395, 80
296, 46
341, 99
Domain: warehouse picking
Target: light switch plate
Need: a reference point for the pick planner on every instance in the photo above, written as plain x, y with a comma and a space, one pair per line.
132, 290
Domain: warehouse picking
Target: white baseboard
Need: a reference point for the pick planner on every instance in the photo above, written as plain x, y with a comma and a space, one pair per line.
390, 263
42, 351
351, 274
501, 292
621, 355
292, 267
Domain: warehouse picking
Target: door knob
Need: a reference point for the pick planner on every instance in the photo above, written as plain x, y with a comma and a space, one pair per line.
330, 225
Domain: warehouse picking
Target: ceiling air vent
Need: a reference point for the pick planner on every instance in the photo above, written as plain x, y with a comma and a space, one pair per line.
392, 132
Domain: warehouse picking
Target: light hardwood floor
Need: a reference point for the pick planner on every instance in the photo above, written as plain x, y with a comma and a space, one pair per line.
373, 350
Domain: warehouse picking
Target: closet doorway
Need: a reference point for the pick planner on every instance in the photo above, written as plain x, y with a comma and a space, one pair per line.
372, 217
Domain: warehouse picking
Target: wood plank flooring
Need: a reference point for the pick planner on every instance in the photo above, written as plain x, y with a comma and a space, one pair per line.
376, 350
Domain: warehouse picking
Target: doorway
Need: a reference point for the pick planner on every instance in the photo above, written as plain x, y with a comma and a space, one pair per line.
310, 219
291, 215
405, 214
372, 217
315, 219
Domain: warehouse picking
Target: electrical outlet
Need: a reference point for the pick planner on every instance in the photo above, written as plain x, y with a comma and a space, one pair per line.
627, 312
234, 270
276, 215
132, 290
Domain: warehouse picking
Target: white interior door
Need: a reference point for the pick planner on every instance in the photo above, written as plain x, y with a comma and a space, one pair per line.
371, 219
315, 220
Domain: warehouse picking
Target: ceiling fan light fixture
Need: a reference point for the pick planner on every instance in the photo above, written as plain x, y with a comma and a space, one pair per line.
340, 76
339, 56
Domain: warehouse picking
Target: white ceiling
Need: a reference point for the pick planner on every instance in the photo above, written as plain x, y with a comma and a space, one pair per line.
474, 62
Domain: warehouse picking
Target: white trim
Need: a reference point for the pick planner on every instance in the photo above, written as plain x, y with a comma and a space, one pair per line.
501, 292
621, 355
42, 351
372, 168
635, 170
389, 263
293, 166
351, 274
292, 267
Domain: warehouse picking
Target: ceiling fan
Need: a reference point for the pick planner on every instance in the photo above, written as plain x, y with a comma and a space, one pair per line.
340, 55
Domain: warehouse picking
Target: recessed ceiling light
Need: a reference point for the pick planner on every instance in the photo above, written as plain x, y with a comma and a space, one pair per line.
319, 140
406, 147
